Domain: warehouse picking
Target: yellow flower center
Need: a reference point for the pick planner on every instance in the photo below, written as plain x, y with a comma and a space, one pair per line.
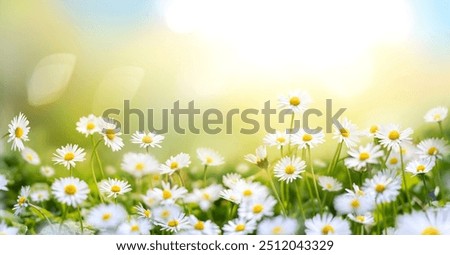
307, 137
115, 188
110, 134
139, 166
433, 151
18, 132
437, 117
165, 214
373, 129
380, 188
29, 157
431, 231
172, 223
209, 160
147, 139
22, 200
147, 213
363, 156
134, 228
394, 135
327, 229
328, 186
206, 196
247, 193
281, 140
290, 169
355, 203
70, 189
156, 177
393, 161
106, 216
360, 218
277, 230
69, 156
294, 101
344, 132
200, 225
420, 168
166, 194
257, 208
239, 228
90, 126
174, 165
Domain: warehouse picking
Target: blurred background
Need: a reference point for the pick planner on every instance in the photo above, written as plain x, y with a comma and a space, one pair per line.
385, 61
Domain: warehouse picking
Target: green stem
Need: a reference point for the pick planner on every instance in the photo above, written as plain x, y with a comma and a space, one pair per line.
300, 200
290, 132
440, 128
5, 135
336, 156
314, 178
422, 176
405, 185
349, 177
272, 184
180, 178
38, 209
204, 175
94, 176
81, 220
99, 162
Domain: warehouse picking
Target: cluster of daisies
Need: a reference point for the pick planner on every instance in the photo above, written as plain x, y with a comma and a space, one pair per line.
378, 181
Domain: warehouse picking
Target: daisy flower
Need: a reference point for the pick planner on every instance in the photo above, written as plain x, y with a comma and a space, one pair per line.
366, 219
279, 225
433, 148
394, 161
22, 200
88, 125
239, 227
372, 130
146, 140
105, 216
289, 168
70, 191
205, 197
168, 194
251, 190
297, 101
209, 157
40, 195
384, 185
164, 213
346, 132
175, 163
392, 137
354, 201
327, 224
420, 166
30, 156
142, 212
199, 227
18, 132
257, 208
259, 158
111, 134
329, 183
3, 183
279, 139
68, 155
114, 187
431, 222
436, 114
174, 223
5, 230
231, 195
139, 164
47, 171
230, 180
362, 156
135, 227
151, 198
304, 139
